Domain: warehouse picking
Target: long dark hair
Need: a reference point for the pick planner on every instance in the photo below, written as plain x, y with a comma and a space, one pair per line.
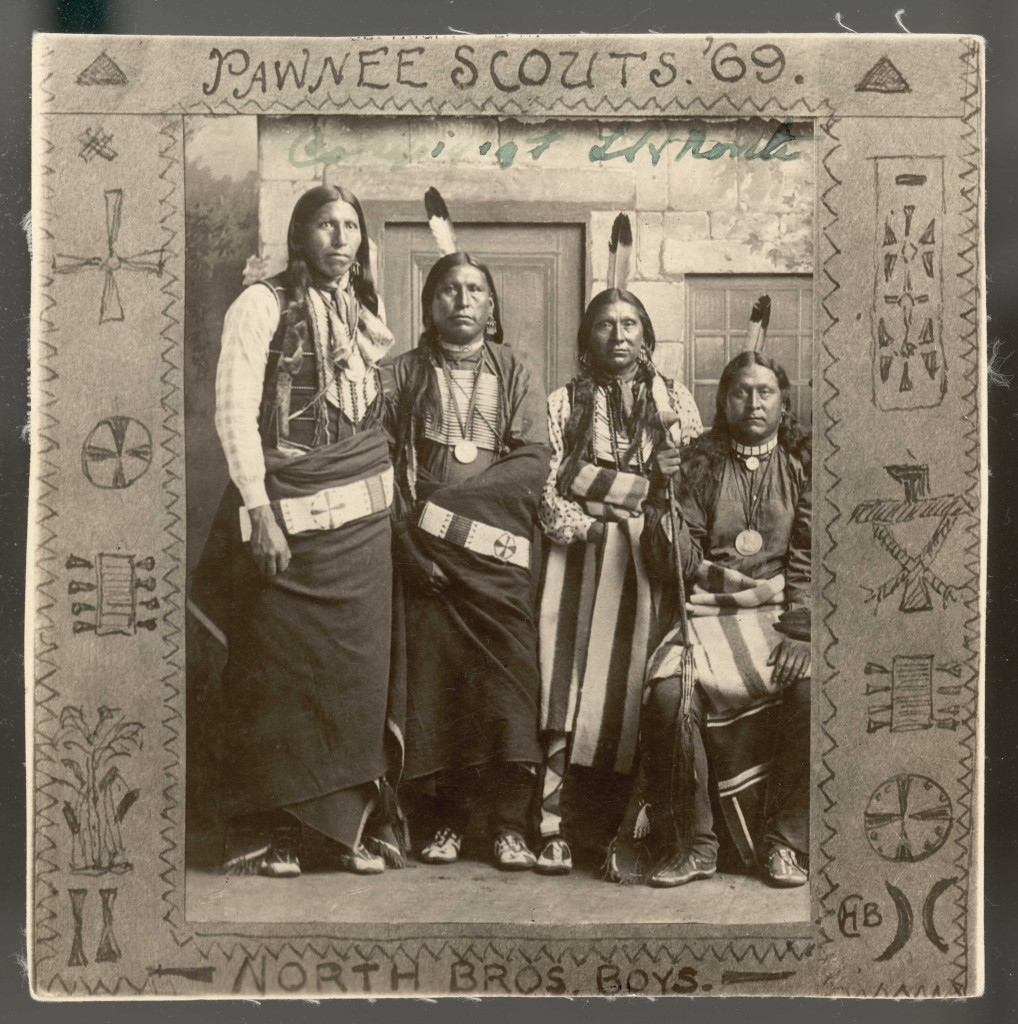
297, 267
705, 458
590, 315
789, 434
421, 397
644, 419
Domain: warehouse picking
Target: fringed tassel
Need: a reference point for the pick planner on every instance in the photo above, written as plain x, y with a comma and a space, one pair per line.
390, 839
684, 780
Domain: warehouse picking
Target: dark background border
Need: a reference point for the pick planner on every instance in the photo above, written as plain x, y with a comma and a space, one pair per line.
997, 20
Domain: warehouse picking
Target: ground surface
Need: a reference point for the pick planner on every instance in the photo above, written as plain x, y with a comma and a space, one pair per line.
476, 892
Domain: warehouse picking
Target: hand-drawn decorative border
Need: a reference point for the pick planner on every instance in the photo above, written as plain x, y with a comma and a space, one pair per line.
970, 185
752, 950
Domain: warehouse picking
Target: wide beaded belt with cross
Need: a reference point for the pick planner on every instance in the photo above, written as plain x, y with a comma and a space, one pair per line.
331, 508
480, 538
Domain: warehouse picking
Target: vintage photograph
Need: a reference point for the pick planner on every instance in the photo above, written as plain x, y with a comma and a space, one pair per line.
428, 593
453, 389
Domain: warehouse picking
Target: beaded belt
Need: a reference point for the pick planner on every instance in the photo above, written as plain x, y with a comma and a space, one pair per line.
331, 508
480, 538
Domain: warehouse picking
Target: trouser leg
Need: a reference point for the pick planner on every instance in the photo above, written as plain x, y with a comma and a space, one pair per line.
660, 726
511, 788
788, 791
452, 799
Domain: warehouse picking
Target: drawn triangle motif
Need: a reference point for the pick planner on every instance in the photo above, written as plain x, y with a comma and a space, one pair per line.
889, 236
102, 71
883, 337
926, 337
927, 258
928, 237
883, 77
930, 359
890, 259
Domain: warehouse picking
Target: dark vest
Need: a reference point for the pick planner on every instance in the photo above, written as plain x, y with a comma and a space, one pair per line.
293, 378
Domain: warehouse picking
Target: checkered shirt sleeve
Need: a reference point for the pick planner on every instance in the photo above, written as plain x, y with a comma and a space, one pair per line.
247, 331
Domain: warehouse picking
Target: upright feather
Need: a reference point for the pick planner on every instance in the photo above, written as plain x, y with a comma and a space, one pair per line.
620, 252
440, 222
759, 319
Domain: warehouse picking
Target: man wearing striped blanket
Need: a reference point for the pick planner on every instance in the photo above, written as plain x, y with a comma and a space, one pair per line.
745, 516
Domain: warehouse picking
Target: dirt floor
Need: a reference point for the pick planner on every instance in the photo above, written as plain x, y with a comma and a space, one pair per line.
476, 892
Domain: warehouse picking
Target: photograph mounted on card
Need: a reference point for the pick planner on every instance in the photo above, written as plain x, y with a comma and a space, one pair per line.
429, 594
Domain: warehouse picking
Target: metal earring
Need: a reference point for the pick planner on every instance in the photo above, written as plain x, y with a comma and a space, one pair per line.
491, 327
355, 270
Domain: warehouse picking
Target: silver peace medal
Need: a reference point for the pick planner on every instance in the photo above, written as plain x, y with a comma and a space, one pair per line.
749, 542
465, 451
752, 463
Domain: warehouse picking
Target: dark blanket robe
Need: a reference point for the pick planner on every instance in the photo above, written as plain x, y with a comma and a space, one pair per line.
474, 685
305, 691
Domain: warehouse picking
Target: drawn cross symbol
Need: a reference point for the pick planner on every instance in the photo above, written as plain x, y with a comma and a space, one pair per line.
907, 818
505, 546
117, 451
150, 261
96, 142
915, 577
323, 507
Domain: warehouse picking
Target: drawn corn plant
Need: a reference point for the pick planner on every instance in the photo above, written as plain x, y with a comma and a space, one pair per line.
99, 795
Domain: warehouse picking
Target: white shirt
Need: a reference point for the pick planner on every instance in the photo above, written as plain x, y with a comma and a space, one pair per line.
248, 329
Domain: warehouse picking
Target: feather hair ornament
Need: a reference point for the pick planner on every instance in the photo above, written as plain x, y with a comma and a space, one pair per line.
620, 252
758, 322
439, 222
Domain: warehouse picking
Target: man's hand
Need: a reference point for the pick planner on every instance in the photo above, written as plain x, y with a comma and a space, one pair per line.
268, 542
595, 532
667, 459
791, 661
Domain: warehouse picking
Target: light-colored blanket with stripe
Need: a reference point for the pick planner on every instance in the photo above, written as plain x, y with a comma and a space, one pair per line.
608, 493
597, 622
732, 638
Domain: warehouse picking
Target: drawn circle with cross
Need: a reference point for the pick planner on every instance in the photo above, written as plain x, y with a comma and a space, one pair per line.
908, 818
505, 546
116, 453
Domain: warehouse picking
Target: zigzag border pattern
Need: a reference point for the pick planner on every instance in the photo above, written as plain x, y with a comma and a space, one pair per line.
46, 664
45, 423
170, 175
496, 105
971, 155
759, 952
831, 418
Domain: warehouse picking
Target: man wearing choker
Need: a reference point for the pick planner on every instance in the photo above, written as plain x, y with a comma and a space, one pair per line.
470, 455
745, 497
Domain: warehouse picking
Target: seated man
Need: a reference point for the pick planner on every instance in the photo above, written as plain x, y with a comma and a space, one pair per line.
745, 551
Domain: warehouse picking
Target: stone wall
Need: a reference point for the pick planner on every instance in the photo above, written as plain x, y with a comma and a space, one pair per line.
691, 215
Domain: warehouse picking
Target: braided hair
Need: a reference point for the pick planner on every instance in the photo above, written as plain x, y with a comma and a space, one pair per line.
643, 420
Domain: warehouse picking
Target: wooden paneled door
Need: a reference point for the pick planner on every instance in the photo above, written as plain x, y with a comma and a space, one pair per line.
538, 272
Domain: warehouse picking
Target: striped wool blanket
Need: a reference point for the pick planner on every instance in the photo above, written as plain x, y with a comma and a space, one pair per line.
597, 623
732, 645
607, 493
